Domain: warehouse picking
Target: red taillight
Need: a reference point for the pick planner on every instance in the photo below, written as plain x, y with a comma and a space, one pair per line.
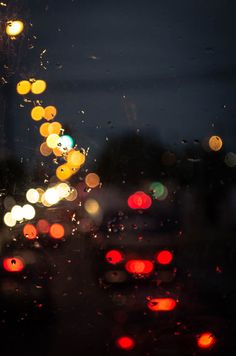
30, 231
164, 257
57, 231
139, 266
43, 226
125, 343
13, 264
114, 257
139, 200
206, 340
161, 304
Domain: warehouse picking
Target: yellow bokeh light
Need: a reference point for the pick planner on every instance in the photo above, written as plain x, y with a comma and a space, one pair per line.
50, 112
23, 87
38, 87
45, 150
8, 220
63, 172
52, 140
32, 195
17, 213
73, 195
28, 211
55, 128
44, 201
215, 143
51, 196
92, 180
57, 152
41, 192
43, 130
37, 113
75, 158
91, 206
14, 28
63, 190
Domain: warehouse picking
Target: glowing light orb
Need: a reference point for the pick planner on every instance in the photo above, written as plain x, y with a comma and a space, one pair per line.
17, 213
164, 195
63, 190
161, 304
63, 172
57, 152
28, 212
157, 189
57, 231
44, 201
52, 196
23, 87
30, 232
114, 257
50, 112
8, 220
43, 226
206, 340
52, 140
54, 128
92, 180
41, 192
215, 143
164, 257
43, 130
32, 195
38, 87
75, 158
125, 343
230, 159
45, 150
139, 266
139, 200
37, 113
65, 143
73, 195
13, 264
91, 206
14, 28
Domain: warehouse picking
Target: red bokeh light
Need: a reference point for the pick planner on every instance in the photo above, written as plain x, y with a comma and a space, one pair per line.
30, 231
139, 200
161, 304
57, 231
125, 343
114, 257
206, 340
43, 226
164, 257
13, 264
139, 266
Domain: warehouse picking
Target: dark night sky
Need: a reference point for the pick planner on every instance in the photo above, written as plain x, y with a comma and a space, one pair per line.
166, 68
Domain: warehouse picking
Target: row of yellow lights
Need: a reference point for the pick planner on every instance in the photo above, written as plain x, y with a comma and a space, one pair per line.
57, 143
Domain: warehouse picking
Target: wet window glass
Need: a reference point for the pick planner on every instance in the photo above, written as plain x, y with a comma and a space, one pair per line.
117, 184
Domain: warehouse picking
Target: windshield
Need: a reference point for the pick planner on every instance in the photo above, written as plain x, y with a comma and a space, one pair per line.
117, 184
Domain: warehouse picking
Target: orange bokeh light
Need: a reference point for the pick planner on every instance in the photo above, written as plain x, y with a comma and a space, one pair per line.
161, 304
50, 112
30, 231
206, 340
57, 231
13, 264
92, 180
